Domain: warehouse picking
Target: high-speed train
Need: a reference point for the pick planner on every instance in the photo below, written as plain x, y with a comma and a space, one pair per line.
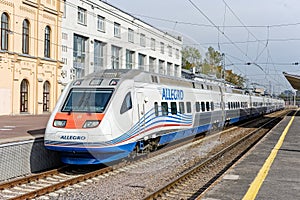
113, 114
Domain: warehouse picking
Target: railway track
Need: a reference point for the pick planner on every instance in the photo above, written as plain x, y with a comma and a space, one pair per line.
47, 182
190, 184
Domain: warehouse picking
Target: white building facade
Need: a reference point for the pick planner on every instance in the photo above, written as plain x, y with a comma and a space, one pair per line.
96, 36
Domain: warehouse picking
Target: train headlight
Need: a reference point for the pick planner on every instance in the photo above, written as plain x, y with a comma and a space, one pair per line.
59, 123
91, 123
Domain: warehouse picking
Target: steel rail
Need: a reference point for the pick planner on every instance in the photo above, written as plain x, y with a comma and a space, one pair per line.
173, 183
62, 184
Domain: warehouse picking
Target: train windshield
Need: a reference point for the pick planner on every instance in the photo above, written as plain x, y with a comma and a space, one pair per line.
87, 100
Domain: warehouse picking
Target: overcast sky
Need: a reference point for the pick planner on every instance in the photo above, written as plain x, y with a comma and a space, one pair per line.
271, 37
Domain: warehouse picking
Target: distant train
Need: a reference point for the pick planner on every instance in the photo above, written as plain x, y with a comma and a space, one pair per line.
113, 114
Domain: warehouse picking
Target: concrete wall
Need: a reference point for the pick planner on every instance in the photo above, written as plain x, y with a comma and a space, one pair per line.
21, 158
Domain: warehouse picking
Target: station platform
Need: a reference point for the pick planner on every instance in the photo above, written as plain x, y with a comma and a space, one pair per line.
271, 170
22, 127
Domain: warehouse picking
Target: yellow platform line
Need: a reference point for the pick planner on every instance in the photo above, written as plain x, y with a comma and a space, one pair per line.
256, 184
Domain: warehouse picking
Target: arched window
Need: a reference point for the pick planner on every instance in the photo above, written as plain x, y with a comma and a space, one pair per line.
25, 37
46, 96
24, 96
47, 42
4, 31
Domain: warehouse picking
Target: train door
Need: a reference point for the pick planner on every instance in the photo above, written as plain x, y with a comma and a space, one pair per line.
222, 106
141, 109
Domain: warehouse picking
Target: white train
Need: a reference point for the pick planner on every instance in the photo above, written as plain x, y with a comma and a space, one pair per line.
111, 114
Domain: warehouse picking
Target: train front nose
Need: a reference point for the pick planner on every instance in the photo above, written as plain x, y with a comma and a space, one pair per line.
77, 120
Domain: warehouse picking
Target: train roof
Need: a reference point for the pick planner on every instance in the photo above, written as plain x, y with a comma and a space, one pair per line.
109, 75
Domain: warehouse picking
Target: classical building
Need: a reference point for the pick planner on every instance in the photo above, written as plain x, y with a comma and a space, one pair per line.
97, 35
30, 56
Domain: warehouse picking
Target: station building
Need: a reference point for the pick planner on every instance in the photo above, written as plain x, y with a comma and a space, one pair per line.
30, 63
97, 35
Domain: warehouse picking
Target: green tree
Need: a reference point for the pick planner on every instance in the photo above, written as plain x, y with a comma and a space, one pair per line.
191, 57
235, 79
212, 61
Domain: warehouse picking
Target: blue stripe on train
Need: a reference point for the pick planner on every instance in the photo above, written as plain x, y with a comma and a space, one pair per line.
170, 137
84, 156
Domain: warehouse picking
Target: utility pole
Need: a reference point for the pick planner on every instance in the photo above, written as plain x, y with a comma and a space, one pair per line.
223, 72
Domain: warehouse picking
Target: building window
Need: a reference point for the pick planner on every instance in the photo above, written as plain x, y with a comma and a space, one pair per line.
129, 59
79, 55
81, 16
115, 57
117, 30
170, 50
153, 44
162, 48
25, 37
98, 55
100, 23
177, 53
24, 96
46, 96
177, 71
64, 48
169, 69
4, 31
65, 61
142, 62
64, 36
130, 35
142, 40
161, 65
152, 64
47, 42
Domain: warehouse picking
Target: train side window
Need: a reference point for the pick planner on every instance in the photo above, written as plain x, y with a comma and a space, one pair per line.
156, 108
127, 103
212, 106
188, 107
164, 108
173, 108
229, 107
203, 106
207, 106
198, 108
181, 107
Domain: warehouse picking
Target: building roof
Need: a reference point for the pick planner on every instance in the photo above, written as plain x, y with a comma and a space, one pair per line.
293, 79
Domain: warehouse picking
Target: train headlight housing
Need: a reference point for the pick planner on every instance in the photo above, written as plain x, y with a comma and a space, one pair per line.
91, 123
60, 123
